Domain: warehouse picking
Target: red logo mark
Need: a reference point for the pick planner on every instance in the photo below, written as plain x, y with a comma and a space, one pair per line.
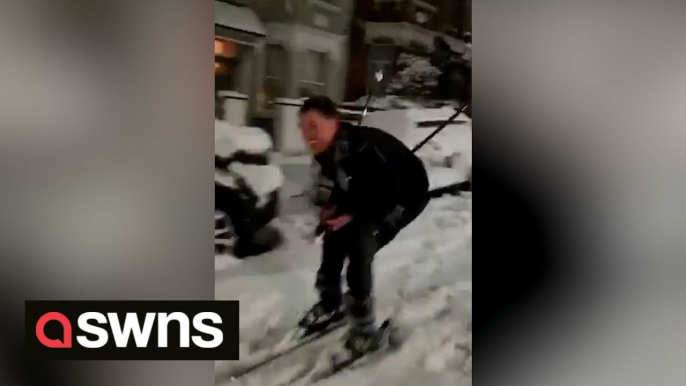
54, 343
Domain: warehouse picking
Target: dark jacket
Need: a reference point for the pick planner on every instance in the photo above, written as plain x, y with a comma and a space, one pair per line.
370, 173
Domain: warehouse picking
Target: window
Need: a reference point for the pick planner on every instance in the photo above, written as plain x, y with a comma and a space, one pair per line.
313, 71
226, 59
274, 85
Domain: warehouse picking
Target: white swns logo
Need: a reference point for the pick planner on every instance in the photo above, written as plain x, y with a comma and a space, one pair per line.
141, 335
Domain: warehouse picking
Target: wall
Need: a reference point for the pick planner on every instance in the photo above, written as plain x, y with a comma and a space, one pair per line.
327, 15
288, 140
275, 11
298, 39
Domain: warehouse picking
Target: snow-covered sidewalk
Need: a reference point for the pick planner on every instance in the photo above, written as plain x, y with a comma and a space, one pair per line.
425, 275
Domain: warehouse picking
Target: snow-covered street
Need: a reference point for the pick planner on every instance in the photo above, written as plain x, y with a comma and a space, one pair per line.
423, 278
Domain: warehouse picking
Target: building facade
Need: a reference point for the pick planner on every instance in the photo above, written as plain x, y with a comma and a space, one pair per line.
267, 49
382, 29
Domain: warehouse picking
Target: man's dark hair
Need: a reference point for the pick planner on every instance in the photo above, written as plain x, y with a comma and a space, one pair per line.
321, 104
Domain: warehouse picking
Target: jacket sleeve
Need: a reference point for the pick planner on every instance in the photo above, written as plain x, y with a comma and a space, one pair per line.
374, 185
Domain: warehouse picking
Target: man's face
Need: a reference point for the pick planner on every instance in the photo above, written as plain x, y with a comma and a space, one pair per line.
317, 130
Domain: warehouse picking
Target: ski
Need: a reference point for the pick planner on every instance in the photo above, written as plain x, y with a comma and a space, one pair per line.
296, 343
345, 360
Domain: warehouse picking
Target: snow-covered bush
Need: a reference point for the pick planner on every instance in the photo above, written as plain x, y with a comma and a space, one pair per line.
415, 78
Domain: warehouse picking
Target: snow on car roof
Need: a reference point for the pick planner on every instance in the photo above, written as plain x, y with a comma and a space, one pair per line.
229, 138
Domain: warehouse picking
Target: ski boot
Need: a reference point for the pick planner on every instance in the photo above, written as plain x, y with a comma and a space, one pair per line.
320, 318
364, 340
364, 335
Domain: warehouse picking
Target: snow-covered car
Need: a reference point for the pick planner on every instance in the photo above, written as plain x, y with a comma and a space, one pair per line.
246, 188
447, 156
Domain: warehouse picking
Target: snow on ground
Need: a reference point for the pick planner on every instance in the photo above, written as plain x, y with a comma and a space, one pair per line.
424, 277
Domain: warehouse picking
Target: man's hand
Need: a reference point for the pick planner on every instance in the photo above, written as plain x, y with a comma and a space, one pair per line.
335, 223
327, 212
329, 221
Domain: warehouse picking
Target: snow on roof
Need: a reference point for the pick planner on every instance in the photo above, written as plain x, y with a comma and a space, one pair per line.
238, 18
262, 179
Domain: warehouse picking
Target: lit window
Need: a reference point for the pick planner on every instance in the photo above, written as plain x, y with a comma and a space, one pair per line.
225, 48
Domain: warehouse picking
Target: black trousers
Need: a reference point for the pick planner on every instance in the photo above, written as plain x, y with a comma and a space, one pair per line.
358, 242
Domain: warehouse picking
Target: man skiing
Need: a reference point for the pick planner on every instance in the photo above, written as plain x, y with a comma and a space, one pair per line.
372, 187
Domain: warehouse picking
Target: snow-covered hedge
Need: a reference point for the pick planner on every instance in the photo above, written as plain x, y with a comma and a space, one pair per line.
416, 77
